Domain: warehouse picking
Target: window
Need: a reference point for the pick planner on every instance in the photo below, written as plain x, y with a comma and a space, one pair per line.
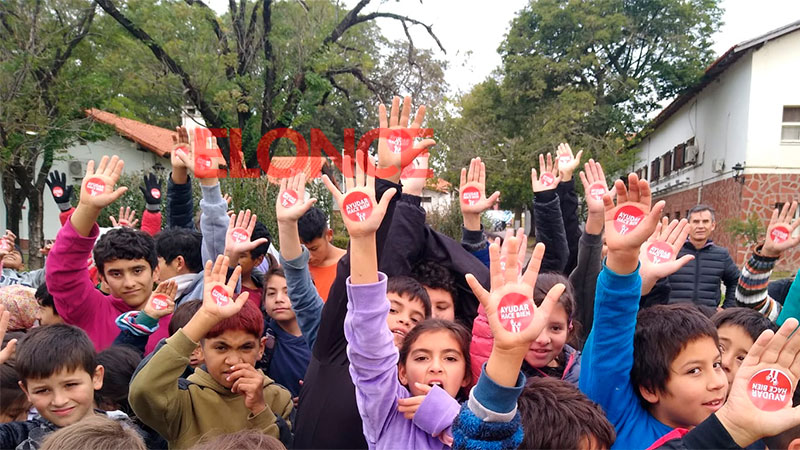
790, 130
667, 158
677, 162
678, 215
655, 169
644, 173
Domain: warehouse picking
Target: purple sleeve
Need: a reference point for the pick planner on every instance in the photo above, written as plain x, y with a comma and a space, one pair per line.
437, 412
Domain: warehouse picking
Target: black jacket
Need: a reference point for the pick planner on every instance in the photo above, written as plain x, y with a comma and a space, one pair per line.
698, 281
710, 434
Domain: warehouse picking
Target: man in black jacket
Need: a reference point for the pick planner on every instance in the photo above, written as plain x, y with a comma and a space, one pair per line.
698, 281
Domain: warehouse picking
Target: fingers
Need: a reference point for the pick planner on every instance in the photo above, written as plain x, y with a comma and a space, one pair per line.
383, 122
420, 117
511, 272
773, 349
622, 192
792, 347
385, 199
550, 300
337, 194
394, 114
405, 113
495, 271
493, 199
237, 273
481, 293
463, 179
532, 273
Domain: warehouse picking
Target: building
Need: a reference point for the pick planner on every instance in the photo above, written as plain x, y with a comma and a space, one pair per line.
733, 140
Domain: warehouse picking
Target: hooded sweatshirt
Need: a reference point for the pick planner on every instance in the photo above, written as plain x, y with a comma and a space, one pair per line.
185, 410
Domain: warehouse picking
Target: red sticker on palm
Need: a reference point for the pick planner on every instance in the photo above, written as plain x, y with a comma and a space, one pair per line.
515, 312
240, 235
182, 151
357, 206
470, 195
95, 186
4, 245
203, 162
288, 198
547, 179
597, 191
628, 218
160, 302
564, 159
770, 389
155, 193
219, 295
58, 192
659, 252
399, 141
779, 234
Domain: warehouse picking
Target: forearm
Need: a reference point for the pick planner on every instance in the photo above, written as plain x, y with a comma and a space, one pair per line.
83, 219
751, 291
594, 223
306, 302
289, 238
363, 263
179, 175
504, 364
472, 222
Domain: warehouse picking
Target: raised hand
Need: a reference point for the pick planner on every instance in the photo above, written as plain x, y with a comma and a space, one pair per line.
237, 238
7, 243
520, 248
61, 191
412, 179
396, 144
162, 301
179, 156
550, 176
218, 300
472, 190
773, 364
780, 230
658, 255
594, 186
250, 383
97, 188
291, 204
152, 192
567, 163
127, 218
7, 352
361, 213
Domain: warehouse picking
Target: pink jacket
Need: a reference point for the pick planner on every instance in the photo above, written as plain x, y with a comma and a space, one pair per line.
481, 345
77, 300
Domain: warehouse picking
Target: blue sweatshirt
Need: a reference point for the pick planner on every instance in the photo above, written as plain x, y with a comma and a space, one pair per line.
289, 359
608, 359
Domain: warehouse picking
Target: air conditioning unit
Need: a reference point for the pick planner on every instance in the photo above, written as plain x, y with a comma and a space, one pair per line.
692, 151
76, 168
718, 165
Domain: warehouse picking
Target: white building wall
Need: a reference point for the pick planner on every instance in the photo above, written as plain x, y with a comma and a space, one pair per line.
775, 84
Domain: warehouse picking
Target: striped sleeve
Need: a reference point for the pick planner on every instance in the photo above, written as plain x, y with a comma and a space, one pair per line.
751, 292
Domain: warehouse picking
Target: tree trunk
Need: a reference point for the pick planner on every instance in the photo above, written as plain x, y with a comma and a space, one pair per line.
35, 229
13, 200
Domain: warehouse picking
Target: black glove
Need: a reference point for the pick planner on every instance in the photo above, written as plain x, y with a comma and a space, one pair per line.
152, 192
62, 192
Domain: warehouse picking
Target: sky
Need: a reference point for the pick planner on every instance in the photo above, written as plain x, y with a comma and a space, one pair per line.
472, 30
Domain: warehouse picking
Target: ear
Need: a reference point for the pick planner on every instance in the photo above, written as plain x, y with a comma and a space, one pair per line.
25, 390
155, 273
648, 395
262, 345
97, 378
257, 262
329, 235
467, 378
794, 445
401, 374
181, 263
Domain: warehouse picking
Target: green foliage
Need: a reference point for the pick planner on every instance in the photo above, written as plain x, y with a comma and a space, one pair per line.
447, 221
256, 194
749, 231
133, 199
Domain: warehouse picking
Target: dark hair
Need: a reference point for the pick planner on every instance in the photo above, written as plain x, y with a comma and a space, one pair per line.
119, 362
436, 276
176, 241
241, 440
125, 243
94, 432
555, 414
407, 286
459, 332
701, 208
545, 282
183, 314
15, 402
751, 320
249, 319
47, 350
260, 231
44, 298
312, 224
662, 332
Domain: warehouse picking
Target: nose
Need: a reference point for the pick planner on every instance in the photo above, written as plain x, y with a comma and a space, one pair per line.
59, 399
717, 380
130, 281
233, 358
543, 338
436, 366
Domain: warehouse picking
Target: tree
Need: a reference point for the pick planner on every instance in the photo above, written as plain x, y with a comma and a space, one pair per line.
583, 72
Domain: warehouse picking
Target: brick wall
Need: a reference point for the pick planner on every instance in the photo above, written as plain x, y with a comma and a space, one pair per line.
732, 199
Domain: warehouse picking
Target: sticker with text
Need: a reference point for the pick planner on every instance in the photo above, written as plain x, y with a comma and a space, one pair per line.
470, 195
628, 218
288, 198
779, 234
547, 179
219, 295
659, 252
182, 151
564, 159
357, 206
58, 192
155, 193
597, 191
770, 389
160, 302
240, 235
515, 312
203, 162
399, 141
95, 186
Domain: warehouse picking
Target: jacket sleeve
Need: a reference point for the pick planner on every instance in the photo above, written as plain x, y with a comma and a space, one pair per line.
306, 302
731, 279
151, 222
709, 434
436, 413
569, 213
475, 243
550, 231
180, 206
213, 222
584, 279
406, 241
373, 355
791, 306
154, 394
751, 292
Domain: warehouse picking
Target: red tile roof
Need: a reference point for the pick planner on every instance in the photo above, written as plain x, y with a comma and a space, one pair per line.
156, 139
438, 184
280, 166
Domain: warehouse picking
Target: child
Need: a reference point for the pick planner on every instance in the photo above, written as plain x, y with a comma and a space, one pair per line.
242, 251
229, 394
661, 370
179, 260
440, 286
323, 255
94, 433
15, 404
241, 440
59, 375
126, 262
12, 267
48, 314
738, 329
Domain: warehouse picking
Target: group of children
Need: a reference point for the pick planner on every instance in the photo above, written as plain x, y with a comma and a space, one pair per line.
407, 339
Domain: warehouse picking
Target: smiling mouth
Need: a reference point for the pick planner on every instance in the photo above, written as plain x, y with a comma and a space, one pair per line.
714, 403
63, 411
400, 333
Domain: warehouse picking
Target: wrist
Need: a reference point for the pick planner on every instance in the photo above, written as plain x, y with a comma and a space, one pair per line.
594, 223
179, 175
623, 261
472, 221
259, 408
768, 252
504, 364
743, 436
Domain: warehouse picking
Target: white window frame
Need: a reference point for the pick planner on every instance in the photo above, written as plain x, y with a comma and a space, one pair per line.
789, 124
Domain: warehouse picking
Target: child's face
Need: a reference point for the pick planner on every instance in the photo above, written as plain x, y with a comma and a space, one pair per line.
168, 270
129, 279
65, 397
696, 388
734, 343
13, 260
550, 342
16, 412
230, 348
318, 248
47, 316
442, 306
404, 314
435, 358
276, 300
248, 263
